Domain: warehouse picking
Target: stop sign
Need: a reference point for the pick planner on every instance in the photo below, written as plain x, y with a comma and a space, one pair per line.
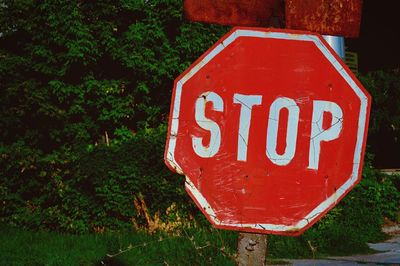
269, 128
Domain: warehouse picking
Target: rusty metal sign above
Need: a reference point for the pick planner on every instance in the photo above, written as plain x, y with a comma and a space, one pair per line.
329, 17
269, 127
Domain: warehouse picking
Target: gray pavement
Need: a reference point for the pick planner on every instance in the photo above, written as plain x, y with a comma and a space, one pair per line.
389, 254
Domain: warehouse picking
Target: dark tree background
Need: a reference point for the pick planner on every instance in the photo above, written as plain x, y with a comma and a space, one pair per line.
85, 93
73, 70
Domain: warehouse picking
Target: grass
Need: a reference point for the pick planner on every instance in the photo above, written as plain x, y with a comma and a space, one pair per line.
197, 246
194, 247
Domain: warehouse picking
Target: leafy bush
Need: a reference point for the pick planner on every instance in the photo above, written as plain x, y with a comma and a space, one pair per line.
96, 190
72, 71
85, 92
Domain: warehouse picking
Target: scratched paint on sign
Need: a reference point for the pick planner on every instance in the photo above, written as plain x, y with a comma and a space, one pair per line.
266, 147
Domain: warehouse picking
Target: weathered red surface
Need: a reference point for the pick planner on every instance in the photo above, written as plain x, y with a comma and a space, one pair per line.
330, 17
236, 12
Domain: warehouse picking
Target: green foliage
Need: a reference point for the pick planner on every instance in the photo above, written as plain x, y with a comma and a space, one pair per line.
72, 70
96, 189
85, 94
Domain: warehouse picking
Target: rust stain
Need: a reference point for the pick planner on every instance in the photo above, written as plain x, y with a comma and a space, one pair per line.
330, 17
294, 230
236, 12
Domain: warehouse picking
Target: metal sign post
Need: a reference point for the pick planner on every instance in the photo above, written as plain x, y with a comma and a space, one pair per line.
337, 44
252, 249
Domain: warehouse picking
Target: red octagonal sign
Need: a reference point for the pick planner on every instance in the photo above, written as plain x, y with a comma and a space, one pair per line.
269, 128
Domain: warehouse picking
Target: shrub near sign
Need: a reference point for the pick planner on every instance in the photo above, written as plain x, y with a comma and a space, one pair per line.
269, 128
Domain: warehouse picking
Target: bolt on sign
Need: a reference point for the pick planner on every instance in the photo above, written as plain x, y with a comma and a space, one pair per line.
269, 128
